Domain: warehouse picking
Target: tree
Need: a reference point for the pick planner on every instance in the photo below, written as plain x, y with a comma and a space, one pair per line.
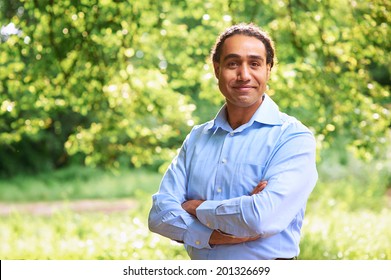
83, 79
334, 68
121, 82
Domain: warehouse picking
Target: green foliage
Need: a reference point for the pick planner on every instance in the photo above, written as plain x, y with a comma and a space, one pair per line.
116, 82
84, 80
352, 185
328, 82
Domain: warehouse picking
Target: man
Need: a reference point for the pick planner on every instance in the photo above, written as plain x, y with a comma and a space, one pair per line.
239, 185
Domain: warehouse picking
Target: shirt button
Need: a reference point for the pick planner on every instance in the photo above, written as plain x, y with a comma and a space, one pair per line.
198, 242
232, 133
224, 160
219, 190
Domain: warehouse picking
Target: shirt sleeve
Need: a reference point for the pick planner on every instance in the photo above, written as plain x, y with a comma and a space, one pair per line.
291, 175
167, 216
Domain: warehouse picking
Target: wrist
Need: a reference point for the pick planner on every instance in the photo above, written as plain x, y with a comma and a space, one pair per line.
191, 206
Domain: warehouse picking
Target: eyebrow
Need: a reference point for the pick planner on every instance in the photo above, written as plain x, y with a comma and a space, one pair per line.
234, 55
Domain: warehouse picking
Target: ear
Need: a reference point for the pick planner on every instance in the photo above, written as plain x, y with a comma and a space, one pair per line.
216, 67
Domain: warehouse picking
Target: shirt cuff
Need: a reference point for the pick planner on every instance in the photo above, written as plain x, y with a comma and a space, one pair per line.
197, 235
206, 213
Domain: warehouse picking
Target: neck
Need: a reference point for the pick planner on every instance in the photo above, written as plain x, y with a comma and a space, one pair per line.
238, 116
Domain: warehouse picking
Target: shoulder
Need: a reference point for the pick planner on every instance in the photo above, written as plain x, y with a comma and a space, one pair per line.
293, 127
199, 130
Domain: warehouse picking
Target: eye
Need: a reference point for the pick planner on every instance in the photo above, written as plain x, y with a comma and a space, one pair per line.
255, 64
232, 64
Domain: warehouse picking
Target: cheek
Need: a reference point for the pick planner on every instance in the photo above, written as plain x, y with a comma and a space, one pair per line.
229, 78
223, 81
263, 78
223, 86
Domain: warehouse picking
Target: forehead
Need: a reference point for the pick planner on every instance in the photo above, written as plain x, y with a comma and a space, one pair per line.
243, 45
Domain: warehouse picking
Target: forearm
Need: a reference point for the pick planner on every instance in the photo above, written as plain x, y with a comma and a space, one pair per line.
167, 218
217, 237
220, 238
251, 216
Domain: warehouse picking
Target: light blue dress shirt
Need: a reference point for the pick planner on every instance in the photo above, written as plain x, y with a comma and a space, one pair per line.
222, 166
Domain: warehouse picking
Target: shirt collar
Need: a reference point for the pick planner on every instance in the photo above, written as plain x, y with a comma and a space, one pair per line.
268, 113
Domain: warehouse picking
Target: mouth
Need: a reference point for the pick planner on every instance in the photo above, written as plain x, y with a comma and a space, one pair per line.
243, 88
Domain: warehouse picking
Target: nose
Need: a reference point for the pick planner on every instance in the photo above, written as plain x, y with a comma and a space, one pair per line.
244, 73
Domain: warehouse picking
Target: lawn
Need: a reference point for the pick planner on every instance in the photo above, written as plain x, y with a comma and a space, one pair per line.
348, 217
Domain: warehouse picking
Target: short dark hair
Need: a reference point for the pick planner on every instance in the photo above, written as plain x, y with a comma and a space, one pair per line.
250, 30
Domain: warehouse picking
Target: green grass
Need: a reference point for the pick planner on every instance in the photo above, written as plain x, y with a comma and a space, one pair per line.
361, 235
348, 217
78, 183
68, 235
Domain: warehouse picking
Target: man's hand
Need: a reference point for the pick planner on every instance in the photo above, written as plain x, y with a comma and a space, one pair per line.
191, 206
220, 238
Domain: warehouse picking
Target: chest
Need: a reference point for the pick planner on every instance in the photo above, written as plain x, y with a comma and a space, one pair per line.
222, 165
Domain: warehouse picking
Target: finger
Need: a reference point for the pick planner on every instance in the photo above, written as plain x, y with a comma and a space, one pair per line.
259, 187
263, 182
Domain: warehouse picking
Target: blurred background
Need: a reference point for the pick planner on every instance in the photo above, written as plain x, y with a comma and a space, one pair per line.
97, 96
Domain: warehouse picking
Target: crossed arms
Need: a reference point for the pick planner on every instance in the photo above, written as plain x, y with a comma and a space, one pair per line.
218, 237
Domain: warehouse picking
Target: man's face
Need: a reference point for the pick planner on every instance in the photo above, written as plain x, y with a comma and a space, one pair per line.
242, 71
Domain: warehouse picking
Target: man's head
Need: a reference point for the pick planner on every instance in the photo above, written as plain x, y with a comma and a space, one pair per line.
242, 61
248, 30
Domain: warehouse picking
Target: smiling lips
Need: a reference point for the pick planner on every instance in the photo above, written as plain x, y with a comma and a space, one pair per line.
243, 88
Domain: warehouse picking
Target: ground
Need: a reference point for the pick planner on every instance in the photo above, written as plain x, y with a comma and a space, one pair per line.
48, 208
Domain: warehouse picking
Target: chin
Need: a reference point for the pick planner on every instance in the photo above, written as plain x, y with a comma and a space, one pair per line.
245, 104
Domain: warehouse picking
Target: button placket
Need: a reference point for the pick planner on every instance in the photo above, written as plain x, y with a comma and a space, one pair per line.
221, 177
225, 149
221, 169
